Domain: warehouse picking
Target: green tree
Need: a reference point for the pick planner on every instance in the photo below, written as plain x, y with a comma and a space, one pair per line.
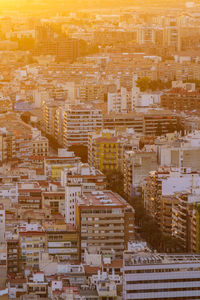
143, 83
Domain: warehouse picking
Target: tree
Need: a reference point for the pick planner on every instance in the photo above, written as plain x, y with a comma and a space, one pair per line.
115, 182
143, 83
150, 231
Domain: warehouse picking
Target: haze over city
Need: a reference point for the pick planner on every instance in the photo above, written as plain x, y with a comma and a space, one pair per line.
99, 149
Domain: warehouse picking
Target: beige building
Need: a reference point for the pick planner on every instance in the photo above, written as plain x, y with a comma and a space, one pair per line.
7, 145
106, 222
137, 165
32, 242
78, 121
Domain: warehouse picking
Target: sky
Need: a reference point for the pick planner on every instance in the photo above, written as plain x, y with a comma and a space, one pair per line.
79, 4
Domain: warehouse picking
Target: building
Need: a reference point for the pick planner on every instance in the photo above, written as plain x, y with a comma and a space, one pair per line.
159, 192
105, 221
148, 275
2, 223
62, 241
78, 121
55, 200
185, 220
188, 86
40, 144
88, 177
29, 195
90, 92
72, 192
172, 34
152, 123
13, 256
105, 151
32, 241
146, 35
53, 165
7, 145
49, 112
137, 165
182, 152
37, 286
180, 100
121, 101
67, 49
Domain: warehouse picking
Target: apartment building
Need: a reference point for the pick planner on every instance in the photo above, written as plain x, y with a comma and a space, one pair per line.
180, 152
2, 223
160, 191
49, 112
37, 285
105, 151
32, 241
122, 101
90, 92
23, 144
148, 275
185, 220
78, 121
58, 125
170, 70
73, 192
105, 221
146, 35
180, 155
152, 123
29, 195
13, 256
193, 240
62, 241
53, 165
130, 120
88, 177
55, 200
188, 86
159, 123
137, 165
7, 145
180, 100
40, 146
171, 36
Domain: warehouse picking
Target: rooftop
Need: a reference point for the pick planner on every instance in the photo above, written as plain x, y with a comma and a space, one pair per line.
150, 258
102, 199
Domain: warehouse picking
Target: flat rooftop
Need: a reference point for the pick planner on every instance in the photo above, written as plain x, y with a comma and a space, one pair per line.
150, 258
102, 199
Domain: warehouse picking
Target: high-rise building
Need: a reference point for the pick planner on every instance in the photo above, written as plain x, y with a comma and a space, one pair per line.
137, 165
78, 122
105, 221
148, 275
13, 256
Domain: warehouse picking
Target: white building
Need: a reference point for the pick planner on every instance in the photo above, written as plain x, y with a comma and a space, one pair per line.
88, 177
2, 223
72, 193
9, 191
189, 86
148, 275
183, 152
119, 101
148, 99
78, 121
145, 34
